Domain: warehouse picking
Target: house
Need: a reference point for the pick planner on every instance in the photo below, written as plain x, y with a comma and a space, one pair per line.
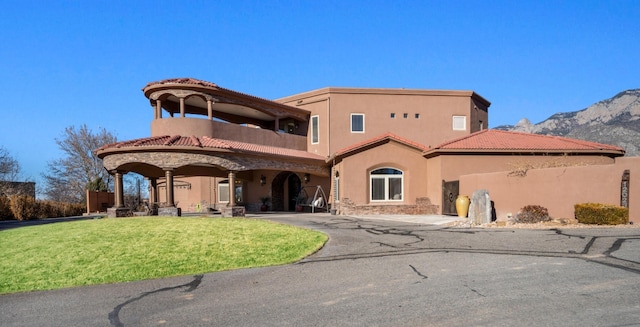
372, 150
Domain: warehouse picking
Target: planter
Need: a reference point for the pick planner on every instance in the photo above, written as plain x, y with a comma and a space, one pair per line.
264, 207
462, 205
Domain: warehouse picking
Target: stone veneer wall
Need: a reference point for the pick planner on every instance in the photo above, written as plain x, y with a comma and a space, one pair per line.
423, 206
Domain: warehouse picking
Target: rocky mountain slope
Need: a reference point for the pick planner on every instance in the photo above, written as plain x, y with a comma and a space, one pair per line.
613, 121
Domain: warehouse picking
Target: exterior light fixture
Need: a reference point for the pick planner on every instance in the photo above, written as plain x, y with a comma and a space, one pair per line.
263, 180
307, 178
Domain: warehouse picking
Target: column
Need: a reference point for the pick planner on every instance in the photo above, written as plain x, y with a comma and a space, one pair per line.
182, 107
276, 125
158, 114
119, 196
232, 188
169, 177
210, 109
153, 190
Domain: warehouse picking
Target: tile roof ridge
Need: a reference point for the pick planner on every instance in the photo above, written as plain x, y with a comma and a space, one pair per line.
445, 143
172, 140
195, 141
182, 80
381, 137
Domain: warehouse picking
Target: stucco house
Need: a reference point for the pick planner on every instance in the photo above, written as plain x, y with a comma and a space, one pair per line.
371, 150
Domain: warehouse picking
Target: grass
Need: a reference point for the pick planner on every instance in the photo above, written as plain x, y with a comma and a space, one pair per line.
113, 250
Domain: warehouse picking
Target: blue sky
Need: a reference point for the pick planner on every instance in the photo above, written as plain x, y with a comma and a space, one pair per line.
68, 63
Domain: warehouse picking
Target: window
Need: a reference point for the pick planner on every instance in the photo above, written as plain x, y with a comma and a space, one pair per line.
481, 125
357, 123
459, 123
223, 191
405, 115
393, 115
417, 116
386, 184
315, 130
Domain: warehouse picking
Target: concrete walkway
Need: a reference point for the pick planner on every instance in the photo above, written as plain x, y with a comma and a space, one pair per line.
414, 219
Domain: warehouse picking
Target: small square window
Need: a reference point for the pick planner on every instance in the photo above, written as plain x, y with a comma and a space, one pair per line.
393, 115
405, 115
459, 123
357, 123
417, 116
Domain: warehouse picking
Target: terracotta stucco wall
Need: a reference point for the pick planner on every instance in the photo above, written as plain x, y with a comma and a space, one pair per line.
558, 189
432, 126
452, 167
204, 127
354, 172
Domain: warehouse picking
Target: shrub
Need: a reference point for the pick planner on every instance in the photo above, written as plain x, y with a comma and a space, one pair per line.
5, 208
532, 214
601, 214
24, 207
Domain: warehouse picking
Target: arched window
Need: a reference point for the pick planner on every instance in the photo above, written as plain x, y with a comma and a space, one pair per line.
386, 184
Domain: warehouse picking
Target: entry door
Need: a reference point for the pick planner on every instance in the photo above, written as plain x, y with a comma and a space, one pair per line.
450, 191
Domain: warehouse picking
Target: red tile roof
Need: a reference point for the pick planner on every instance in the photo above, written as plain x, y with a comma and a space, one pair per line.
185, 80
497, 140
206, 142
386, 137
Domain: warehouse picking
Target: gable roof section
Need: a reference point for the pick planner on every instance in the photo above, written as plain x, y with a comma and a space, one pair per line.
375, 142
497, 141
204, 143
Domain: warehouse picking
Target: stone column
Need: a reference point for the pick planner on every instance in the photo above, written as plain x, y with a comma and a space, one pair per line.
210, 109
232, 188
119, 196
169, 177
182, 107
276, 125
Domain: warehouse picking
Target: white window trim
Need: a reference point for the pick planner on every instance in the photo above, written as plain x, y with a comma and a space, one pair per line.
386, 185
463, 119
351, 123
317, 118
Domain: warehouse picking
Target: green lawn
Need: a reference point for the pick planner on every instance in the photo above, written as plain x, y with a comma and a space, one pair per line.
126, 249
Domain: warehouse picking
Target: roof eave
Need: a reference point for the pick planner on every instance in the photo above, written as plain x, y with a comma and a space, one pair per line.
608, 152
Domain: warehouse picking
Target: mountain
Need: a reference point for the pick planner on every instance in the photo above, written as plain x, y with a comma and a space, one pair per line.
614, 121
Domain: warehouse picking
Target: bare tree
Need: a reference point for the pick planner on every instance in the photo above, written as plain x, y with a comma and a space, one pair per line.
9, 166
9, 170
68, 178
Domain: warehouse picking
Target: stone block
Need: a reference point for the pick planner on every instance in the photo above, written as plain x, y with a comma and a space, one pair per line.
119, 212
169, 211
480, 209
237, 211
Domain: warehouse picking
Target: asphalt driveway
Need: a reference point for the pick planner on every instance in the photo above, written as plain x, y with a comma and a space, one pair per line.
380, 273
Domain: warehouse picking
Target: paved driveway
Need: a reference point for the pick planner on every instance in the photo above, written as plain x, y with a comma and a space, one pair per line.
381, 273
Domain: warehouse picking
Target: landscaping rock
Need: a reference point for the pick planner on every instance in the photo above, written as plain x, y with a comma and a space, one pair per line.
480, 209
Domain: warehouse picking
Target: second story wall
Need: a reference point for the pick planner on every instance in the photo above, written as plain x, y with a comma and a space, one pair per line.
347, 116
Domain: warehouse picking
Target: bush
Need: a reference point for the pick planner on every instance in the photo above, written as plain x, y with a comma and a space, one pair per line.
5, 208
532, 214
24, 207
601, 214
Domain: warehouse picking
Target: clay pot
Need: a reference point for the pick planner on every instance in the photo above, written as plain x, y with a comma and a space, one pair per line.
462, 205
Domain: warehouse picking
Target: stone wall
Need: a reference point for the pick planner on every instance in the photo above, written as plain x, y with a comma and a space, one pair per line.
423, 206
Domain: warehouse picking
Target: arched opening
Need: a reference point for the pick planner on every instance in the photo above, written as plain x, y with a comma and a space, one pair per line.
284, 190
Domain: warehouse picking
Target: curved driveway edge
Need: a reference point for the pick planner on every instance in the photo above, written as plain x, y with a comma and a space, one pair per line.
380, 273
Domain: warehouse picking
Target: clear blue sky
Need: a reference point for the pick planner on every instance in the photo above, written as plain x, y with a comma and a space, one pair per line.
85, 62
